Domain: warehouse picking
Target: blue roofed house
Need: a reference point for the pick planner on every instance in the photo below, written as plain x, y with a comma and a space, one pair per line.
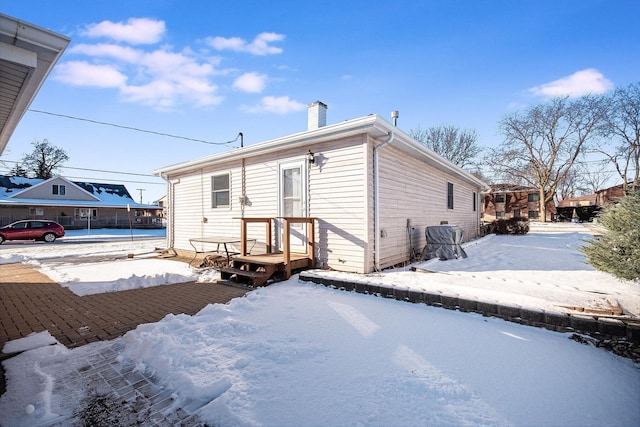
74, 204
28, 53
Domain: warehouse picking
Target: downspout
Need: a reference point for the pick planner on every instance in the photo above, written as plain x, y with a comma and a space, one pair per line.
203, 219
170, 210
376, 201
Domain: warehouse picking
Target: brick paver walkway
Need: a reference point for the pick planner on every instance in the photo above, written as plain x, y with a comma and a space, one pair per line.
31, 302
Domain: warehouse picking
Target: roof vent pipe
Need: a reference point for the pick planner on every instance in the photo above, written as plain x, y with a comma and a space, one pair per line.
317, 115
394, 115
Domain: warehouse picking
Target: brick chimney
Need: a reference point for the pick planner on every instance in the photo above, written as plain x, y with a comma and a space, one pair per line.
317, 115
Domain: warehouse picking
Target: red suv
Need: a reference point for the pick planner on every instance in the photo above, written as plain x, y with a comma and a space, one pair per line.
32, 230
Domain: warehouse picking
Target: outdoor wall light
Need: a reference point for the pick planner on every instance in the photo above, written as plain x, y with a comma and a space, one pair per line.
311, 157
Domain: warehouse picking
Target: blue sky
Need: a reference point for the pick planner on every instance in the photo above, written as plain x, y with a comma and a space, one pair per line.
208, 70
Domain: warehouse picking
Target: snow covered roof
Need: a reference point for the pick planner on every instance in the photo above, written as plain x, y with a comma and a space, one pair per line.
15, 190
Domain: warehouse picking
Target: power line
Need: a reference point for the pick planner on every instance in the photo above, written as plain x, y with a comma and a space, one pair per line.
117, 180
92, 170
133, 128
105, 171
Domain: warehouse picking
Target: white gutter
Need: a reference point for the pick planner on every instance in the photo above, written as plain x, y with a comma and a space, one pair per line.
373, 125
20, 44
302, 139
376, 201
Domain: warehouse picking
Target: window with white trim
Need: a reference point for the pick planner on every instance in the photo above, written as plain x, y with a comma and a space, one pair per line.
220, 191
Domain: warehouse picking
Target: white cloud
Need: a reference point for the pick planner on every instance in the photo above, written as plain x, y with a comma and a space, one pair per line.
584, 82
166, 78
134, 31
162, 62
165, 94
278, 105
80, 73
261, 44
233, 43
123, 53
251, 82
158, 78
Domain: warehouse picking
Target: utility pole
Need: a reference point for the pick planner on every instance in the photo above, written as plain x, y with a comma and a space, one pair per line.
141, 190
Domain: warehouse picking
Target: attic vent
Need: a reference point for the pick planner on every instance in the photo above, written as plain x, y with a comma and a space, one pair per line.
317, 115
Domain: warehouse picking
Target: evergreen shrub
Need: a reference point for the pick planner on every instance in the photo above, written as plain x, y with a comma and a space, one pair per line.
618, 250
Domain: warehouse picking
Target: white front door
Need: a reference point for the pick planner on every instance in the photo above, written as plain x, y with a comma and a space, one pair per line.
293, 202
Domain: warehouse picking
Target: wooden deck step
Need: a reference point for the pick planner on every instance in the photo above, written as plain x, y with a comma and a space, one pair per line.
242, 275
258, 270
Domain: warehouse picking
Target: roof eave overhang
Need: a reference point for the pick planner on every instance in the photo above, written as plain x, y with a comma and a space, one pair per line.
413, 148
34, 51
325, 133
372, 125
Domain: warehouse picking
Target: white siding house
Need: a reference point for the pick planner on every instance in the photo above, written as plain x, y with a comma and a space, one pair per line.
73, 204
371, 187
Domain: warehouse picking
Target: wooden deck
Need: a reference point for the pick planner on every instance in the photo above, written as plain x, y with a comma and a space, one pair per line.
297, 260
260, 269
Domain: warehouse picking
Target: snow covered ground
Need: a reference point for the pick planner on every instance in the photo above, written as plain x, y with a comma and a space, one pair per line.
302, 354
82, 262
542, 271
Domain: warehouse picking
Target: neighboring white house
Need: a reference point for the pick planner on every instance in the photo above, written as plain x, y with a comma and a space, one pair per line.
371, 187
74, 204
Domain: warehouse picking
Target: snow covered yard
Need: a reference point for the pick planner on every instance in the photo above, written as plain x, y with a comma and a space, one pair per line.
303, 354
540, 270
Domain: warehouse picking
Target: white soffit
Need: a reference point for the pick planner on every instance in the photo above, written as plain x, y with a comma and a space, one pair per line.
28, 53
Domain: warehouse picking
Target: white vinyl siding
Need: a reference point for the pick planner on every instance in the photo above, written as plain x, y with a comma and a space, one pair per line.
194, 216
57, 187
338, 198
415, 191
339, 194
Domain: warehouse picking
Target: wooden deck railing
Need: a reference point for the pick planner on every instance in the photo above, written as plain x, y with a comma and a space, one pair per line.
286, 236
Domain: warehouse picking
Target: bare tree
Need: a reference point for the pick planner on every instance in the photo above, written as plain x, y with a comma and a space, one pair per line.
568, 187
460, 146
543, 142
44, 159
592, 179
622, 130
